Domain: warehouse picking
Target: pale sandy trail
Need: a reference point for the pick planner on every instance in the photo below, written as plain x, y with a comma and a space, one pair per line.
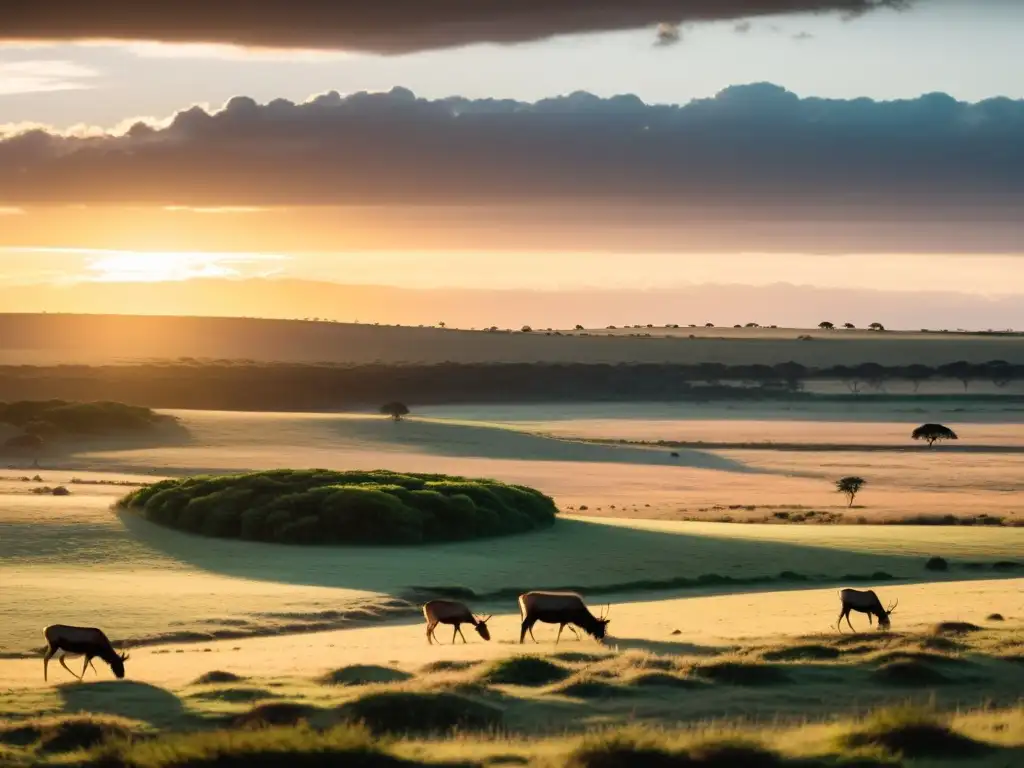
637, 624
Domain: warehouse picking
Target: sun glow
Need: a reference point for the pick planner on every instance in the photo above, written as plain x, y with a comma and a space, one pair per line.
155, 267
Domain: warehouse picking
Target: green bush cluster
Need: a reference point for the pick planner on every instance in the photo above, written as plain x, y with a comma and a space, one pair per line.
50, 418
319, 506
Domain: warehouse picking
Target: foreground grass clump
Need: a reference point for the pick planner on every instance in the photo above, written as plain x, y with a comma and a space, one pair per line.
628, 750
319, 506
52, 418
363, 674
419, 712
524, 670
913, 732
64, 735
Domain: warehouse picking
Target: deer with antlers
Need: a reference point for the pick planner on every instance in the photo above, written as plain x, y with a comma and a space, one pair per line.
454, 613
863, 602
81, 641
561, 608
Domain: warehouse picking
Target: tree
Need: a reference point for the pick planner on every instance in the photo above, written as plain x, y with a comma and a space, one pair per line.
579, 327
440, 325
916, 373
850, 486
395, 410
526, 329
827, 326
933, 432
849, 326
961, 370
709, 325
27, 444
876, 327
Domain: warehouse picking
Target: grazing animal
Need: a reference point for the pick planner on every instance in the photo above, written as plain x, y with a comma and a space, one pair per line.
455, 613
81, 641
863, 602
561, 608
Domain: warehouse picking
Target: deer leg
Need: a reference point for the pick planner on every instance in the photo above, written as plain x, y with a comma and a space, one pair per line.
93, 668
527, 627
430, 632
458, 628
46, 659
86, 665
560, 628
573, 630
65, 665
842, 614
848, 622
454, 633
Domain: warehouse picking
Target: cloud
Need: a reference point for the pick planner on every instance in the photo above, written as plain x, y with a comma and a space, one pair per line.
43, 76
216, 209
382, 26
11, 210
752, 146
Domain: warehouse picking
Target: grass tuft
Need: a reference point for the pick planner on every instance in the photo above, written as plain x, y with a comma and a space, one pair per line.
909, 673
65, 734
809, 652
955, 628
742, 673
912, 733
627, 751
276, 713
664, 680
217, 677
995, 617
524, 670
406, 712
360, 674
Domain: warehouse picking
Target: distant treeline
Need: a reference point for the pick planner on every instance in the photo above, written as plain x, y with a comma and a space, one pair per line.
254, 386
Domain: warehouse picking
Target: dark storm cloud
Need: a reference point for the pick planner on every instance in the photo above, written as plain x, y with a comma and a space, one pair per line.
753, 145
381, 26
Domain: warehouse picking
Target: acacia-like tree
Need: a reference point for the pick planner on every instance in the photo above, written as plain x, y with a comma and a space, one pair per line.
826, 325
849, 326
933, 432
395, 409
850, 486
579, 327
709, 325
876, 327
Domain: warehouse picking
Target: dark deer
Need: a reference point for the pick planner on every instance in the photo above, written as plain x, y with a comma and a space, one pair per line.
561, 608
863, 602
455, 613
81, 641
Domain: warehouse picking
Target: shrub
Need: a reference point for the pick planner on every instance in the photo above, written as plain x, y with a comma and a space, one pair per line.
937, 564
909, 673
363, 675
320, 506
741, 673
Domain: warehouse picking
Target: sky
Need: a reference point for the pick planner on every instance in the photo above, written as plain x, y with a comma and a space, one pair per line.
613, 147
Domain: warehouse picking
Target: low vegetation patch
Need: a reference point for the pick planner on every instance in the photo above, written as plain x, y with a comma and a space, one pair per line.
276, 713
234, 695
955, 628
937, 564
407, 712
319, 506
524, 670
910, 673
912, 733
663, 680
742, 673
363, 675
809, 652
625, 751
64, 734
52, 418
217, 677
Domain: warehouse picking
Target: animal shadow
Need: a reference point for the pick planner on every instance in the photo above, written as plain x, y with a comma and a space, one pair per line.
124, 698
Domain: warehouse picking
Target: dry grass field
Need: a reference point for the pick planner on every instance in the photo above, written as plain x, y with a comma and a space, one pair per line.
717, 628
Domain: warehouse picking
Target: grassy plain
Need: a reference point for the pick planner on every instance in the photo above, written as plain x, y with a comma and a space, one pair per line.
688, 660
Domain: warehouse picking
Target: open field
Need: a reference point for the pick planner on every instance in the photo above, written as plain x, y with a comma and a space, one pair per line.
97, 339
712, 623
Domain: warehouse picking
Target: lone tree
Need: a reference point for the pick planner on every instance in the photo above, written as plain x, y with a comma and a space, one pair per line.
850, 486
27, 444
395, 410
579, 327
849, 326
876, 327
933, 432
827, 326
